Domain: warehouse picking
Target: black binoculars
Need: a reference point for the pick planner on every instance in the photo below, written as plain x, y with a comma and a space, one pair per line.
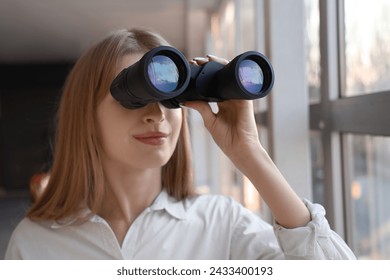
164, 75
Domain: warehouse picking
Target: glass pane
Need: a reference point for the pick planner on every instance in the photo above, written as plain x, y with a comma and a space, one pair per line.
313, 50
317, 167
367, 46
368, 162
247, 32
222, 36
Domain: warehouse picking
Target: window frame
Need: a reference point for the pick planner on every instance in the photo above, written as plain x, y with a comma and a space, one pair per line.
336, 115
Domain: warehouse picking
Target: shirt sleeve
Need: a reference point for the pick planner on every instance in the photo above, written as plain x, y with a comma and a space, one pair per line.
252, 237
316, 240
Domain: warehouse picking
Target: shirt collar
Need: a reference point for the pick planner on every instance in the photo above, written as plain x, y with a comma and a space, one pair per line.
174, 207
163, 201
72, 219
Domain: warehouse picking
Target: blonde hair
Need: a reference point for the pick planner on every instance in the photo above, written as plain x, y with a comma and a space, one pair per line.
77, 177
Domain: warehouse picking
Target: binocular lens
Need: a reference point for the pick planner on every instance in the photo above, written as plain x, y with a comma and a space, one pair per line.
163, 73
251, 76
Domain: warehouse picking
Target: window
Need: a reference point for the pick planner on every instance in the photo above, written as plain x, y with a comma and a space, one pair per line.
350, 143
313, 50
317, 167
367, 159
313, 68
367, 45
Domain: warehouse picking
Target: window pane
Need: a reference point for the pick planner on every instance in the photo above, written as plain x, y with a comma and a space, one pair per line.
247, 25
317, 167
222, 26
368, 162
313, 50
367, 46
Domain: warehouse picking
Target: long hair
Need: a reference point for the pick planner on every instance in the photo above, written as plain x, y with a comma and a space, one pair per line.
77, 177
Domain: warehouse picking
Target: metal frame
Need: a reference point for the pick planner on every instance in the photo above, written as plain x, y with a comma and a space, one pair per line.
364, 114
334, 116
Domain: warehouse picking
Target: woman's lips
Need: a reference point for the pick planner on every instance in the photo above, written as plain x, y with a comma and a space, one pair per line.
152, 138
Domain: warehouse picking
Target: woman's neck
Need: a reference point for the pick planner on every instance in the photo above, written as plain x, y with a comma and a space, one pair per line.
128, 193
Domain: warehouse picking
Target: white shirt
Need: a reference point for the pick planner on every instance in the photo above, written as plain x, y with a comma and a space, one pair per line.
201, 227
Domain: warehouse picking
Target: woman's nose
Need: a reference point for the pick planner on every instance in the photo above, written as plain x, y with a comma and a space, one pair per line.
154, 113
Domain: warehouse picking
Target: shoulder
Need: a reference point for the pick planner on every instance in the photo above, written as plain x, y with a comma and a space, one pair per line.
48, 239
218, 206
24, 235
210, 201
28, 229
27, 226
221, 208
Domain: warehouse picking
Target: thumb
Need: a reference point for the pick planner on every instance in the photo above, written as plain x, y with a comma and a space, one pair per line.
204, 110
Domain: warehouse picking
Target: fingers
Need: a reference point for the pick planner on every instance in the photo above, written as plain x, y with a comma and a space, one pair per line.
204, 60
218, 59
204, 110
200, 60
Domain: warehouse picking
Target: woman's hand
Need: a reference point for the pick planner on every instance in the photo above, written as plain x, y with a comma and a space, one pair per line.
233, 127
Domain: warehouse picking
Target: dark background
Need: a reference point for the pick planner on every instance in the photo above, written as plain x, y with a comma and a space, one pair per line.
29, 97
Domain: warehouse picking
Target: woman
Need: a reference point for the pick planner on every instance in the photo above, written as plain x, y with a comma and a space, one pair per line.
120, 185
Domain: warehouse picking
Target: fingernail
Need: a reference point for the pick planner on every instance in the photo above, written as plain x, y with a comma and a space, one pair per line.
199, 58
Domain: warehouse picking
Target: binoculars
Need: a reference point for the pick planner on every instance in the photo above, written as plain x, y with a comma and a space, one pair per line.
164, 75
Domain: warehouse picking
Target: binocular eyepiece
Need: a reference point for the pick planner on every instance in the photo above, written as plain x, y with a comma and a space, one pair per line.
164, 75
